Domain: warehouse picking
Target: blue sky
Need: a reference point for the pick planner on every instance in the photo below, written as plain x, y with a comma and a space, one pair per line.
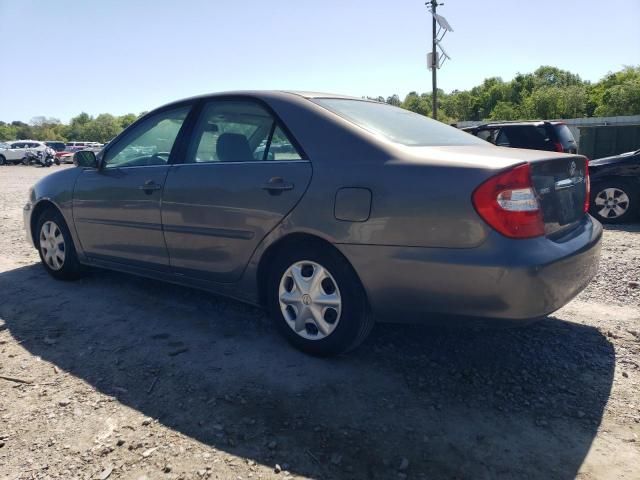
67, 56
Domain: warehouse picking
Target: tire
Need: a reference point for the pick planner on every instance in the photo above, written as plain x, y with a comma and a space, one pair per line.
614, 201
57, 162
352, 321
2, 160
68, 267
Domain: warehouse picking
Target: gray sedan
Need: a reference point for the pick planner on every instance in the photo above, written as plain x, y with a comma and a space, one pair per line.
332, 212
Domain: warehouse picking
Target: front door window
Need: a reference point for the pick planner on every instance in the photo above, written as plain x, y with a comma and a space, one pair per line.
149, 143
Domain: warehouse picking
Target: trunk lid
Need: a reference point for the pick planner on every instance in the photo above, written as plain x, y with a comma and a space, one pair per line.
562, 188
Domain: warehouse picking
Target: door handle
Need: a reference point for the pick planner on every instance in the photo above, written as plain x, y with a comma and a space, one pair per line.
277, 185
149, 186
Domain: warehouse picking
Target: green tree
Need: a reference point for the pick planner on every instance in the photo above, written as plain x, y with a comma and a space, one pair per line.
505, 111
103, 128
394, 100
77, 127
126, 120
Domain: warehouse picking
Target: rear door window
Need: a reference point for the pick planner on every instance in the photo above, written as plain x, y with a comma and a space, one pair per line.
484, 135
502, 139
238, 131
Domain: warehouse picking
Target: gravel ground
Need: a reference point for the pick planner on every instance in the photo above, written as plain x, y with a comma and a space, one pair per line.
125, 378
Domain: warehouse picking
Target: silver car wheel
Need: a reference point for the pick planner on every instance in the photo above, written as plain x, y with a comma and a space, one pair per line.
310, 300
52, 245
612, 203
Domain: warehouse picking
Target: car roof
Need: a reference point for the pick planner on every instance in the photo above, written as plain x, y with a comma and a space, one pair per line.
265, 95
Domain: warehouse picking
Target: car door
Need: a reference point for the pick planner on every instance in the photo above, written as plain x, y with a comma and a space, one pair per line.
116, 207
17, 152
241, 175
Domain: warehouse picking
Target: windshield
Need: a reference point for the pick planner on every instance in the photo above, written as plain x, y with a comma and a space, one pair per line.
397, 124
4, 146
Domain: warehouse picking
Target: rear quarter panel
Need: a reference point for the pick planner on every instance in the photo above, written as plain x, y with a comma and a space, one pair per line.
414, 203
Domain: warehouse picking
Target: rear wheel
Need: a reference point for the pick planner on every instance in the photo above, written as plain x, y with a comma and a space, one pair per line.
317, 301
56, 248
614, 202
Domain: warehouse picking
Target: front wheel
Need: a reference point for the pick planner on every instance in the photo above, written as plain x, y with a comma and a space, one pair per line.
614, 201
2, 160
56, 248
317, 301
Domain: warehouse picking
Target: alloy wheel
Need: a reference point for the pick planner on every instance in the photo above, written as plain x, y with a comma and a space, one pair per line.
310, 300
611, 203
52, 245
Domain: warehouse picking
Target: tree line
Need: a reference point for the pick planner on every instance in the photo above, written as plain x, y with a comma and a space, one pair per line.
83, 127
547, 93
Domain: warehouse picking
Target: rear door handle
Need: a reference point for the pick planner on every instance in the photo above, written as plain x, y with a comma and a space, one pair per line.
277, 185
149, 186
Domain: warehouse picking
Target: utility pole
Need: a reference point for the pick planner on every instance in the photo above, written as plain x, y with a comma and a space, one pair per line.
434, 60
438, 56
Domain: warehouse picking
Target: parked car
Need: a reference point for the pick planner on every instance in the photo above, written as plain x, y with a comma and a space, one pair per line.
4, 147
373, 213
615, 187
65, 156
75, 146
16, 151
550, 136
56, 145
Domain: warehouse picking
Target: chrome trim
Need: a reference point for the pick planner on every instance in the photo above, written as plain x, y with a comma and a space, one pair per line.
566, 183
250, 162
134, 166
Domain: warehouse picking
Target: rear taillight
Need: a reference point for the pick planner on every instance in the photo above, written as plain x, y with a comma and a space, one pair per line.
508, 203
559, 147
587, 186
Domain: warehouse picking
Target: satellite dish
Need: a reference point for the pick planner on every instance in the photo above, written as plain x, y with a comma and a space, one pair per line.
442, 22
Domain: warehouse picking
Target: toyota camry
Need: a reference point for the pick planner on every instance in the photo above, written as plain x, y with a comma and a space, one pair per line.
332, 212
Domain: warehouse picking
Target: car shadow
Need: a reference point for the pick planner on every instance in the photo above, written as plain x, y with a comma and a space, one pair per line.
455, 403
623, 227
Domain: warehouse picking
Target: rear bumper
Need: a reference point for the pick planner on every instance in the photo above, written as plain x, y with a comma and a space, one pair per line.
503, 278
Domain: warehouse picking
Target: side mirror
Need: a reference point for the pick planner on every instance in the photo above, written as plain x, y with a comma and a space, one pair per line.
85, 158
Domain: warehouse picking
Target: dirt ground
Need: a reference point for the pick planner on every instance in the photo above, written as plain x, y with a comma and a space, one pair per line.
128, 378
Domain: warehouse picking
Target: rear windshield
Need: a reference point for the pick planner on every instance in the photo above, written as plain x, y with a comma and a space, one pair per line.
396, 124
525, 137
564, 134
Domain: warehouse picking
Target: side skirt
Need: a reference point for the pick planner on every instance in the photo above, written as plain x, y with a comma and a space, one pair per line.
229, 290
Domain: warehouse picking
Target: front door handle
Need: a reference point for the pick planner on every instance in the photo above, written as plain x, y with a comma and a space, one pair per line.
149, 186
277, 185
